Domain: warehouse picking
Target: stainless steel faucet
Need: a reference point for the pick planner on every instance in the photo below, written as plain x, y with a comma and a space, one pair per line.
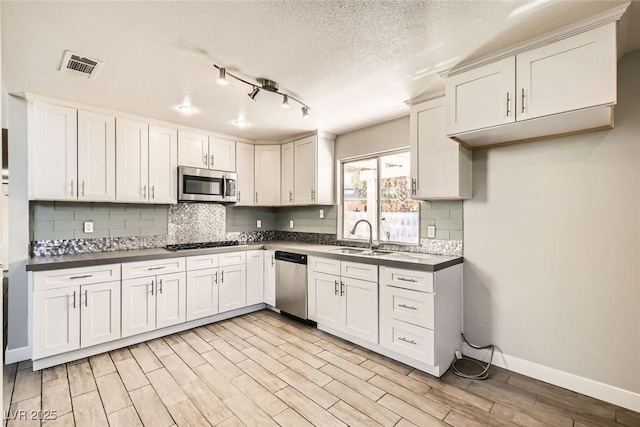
353, 231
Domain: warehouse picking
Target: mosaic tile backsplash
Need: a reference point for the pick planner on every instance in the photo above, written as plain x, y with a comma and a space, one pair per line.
195, 222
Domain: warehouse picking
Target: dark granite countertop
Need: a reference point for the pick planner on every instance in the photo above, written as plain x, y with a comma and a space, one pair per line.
414, 261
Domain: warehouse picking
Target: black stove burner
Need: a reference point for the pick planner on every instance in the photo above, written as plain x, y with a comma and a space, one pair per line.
202, 245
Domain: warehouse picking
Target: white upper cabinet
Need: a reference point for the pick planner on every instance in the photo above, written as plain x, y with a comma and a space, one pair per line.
246, 174
287, 175
267, 178
313, 171
132, 161
163, 165
570, 74
53, 153
193, 149
440, 167
96, 157
222, 154
568, 84
482, 97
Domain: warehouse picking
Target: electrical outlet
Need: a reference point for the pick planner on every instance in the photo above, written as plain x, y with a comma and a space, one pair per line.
321, 213
88, 227
259, 223
290, 223
431, 232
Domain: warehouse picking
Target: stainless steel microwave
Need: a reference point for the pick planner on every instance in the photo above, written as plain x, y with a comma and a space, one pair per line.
205, 185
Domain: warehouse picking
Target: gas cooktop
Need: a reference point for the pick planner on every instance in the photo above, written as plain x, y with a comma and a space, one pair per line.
201, 245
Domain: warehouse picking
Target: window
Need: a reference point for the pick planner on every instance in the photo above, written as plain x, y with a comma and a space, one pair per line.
378, 189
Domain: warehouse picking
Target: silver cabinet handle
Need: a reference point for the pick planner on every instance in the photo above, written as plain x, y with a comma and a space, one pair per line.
335, 289
216, 279
404, 279
290, 196
508, 104
414, 186
204, 159
212, 160
72, 187
74, 299
155, 268
523, 100
144, 191
153, 191
407, 306
272, 260
239, 195
341, 288
256, 201
83, 188
84, 276
152, 283
313, 194
160, 283
222, 276
412, 342
86, 298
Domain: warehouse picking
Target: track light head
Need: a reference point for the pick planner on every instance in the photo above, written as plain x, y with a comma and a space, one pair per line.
285, 101
305, 112
222, 78
253, 93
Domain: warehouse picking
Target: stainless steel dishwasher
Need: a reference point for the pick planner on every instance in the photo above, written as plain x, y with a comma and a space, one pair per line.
291, 284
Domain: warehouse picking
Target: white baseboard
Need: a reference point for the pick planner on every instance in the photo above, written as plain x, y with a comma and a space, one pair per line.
16, 355
608, 393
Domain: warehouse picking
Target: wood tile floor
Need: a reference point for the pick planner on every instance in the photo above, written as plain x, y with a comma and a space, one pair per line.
263, 369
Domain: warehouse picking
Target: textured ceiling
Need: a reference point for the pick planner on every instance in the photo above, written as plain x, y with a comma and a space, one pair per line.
353, 62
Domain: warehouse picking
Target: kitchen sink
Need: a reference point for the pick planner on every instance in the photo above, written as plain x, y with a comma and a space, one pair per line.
375, 253
405, 255
347, 251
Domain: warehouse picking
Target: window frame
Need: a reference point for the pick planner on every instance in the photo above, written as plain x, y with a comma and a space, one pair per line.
340, 184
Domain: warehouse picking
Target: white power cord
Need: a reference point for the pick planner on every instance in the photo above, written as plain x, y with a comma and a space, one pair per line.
485, 369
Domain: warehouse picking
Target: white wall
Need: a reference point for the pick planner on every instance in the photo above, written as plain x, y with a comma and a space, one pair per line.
385, 136
552, 247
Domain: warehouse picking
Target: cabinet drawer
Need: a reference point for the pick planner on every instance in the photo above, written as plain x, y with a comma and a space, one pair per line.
324, 265
53, 279
132, 270
201, 262
409, 340
355, 270
232, 258
408, 279
409, 306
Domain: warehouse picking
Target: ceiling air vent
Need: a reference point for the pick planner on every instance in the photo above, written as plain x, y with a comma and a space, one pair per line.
76, 64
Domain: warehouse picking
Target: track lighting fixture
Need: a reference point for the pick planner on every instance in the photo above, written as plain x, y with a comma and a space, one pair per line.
267, 85
222, 77
253, 93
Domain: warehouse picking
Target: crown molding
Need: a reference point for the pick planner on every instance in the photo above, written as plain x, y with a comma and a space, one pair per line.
316, 132
426, 96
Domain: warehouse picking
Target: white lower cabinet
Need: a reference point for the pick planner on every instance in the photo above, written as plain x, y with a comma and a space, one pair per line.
99, 313
347, 304
255, 277
270, 277
232, 288
202, 293
149, 303
56, 321
410, 340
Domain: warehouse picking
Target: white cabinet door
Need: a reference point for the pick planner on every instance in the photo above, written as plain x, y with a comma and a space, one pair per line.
573, 73
138, 306
171, 299
132, 161
222, 154
287, 176
96, 157
56, 321
360, 309
440, 167
324, 295
246, 174
232, 288
267, 176
306, 161
53, 158
482, 97
255, 277
202, 293
99, 313
163, 165
193, 149
270, 278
